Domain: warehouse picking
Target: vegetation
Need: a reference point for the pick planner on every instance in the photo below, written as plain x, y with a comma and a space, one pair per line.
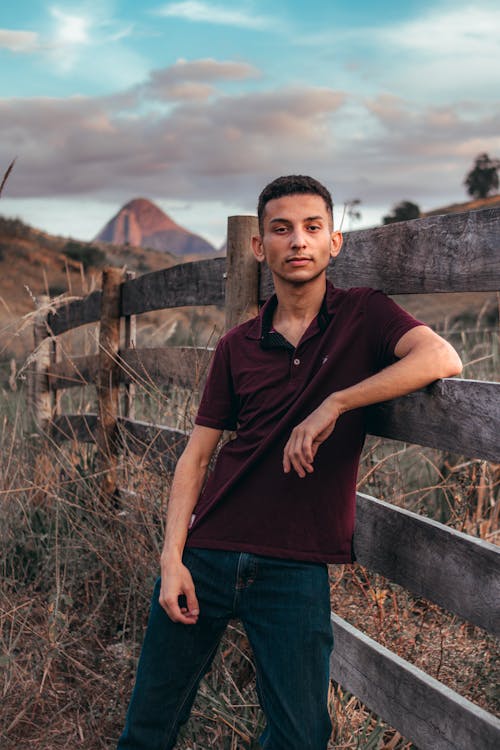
77, 576
87, 255
483, 177
403, 211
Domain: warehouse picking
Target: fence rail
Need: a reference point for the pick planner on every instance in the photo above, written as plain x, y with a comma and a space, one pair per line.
458, 572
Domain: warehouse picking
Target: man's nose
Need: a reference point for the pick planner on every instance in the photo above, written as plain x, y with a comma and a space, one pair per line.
298, 238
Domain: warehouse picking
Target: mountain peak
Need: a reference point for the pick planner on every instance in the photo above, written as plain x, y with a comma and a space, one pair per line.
141, 223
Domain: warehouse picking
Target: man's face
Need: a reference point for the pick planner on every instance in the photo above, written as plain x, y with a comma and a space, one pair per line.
298, 238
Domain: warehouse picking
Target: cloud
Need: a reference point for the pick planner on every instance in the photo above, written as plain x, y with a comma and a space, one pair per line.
19, 41
71, 29
200, 12
184, 80
444, 52
169, 140
448, 32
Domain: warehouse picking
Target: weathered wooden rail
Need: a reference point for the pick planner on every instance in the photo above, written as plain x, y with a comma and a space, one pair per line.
461, 573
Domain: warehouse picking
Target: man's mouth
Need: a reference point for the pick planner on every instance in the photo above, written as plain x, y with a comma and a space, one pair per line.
297, 262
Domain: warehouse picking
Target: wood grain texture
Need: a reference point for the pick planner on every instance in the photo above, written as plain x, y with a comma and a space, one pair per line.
242, 271
75, 313
108, 378
459, 572
462, 416
421, 708
198, 283
41, 398
445, 253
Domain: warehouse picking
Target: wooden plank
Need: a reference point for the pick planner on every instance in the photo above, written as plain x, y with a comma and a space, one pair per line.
444, 253
160, 446
458, 415
198, 283
421, 708
73, 372
242, 271
459, 572
79, 427
75, 313
185, 366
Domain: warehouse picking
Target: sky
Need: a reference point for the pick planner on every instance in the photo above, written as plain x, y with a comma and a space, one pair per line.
196, 105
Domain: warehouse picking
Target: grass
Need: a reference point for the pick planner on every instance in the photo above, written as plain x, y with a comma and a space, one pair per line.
77, 575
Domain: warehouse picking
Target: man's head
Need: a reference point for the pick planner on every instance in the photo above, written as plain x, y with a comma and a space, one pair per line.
294, 184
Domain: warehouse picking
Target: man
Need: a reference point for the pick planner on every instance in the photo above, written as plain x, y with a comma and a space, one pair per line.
253, 542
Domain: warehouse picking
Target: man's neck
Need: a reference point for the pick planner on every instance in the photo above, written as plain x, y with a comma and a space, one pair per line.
297, 307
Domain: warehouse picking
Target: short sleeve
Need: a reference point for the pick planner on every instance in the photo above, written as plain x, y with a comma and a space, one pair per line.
387, 322
218, 406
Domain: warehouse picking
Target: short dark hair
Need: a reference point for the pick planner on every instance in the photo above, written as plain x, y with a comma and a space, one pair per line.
292, 185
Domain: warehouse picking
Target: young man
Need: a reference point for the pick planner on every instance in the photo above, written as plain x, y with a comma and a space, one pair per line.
253, 542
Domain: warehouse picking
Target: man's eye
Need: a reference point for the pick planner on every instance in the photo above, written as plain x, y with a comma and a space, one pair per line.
313, 227
280, 230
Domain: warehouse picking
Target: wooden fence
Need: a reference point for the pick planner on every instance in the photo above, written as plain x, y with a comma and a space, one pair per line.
457, 252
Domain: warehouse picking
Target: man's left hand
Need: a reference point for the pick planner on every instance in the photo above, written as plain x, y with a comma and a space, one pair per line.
307, 436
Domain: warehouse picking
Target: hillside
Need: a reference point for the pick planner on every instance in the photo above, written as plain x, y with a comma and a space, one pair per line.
493, 201
141, 223
33, 263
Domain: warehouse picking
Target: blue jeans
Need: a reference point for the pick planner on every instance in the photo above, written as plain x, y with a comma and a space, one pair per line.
284, 606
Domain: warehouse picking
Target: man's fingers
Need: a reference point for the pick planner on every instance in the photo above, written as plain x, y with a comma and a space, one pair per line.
193, 608
299, 453
178, 597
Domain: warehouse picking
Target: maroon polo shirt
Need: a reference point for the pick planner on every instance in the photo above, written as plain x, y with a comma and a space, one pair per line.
260, 386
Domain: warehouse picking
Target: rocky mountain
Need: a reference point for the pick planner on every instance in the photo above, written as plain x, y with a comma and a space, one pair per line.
142, 224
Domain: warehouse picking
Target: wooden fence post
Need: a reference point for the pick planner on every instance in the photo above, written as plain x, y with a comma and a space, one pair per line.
108, 379
40, 394
130, 333
242, 271
41, 402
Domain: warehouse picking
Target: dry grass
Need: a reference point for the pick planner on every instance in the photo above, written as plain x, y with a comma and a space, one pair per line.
77, 575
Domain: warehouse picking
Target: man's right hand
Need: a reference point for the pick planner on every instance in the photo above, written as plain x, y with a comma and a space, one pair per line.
176, 581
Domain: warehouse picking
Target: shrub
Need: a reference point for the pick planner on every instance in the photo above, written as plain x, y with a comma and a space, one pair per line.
87, 255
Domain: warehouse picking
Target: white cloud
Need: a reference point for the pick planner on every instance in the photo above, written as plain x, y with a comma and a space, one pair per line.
449, 32
200, 12
71, 29
19, 41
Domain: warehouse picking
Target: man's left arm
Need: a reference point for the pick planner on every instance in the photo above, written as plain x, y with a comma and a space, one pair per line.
423, 357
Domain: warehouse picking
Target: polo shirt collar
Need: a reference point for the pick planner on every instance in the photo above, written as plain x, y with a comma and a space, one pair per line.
260, 326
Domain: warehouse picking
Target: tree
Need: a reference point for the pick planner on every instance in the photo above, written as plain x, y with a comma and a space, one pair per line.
351, 210
483, 177
403, 211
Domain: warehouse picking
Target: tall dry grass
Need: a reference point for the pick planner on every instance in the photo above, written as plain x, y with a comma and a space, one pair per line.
77, 575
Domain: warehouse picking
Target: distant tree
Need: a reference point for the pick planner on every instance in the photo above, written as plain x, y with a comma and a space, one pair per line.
403, 211
351, 210
87, 255
483, 177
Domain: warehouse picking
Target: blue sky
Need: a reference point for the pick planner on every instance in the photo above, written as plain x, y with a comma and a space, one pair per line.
197, 105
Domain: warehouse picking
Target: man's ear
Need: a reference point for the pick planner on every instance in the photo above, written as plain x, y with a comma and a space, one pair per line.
257, 247
336, 243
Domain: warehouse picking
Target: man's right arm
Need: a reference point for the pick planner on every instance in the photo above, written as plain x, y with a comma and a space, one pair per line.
187, 484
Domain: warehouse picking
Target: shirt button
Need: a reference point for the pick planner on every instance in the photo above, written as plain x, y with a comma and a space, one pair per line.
296, 361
